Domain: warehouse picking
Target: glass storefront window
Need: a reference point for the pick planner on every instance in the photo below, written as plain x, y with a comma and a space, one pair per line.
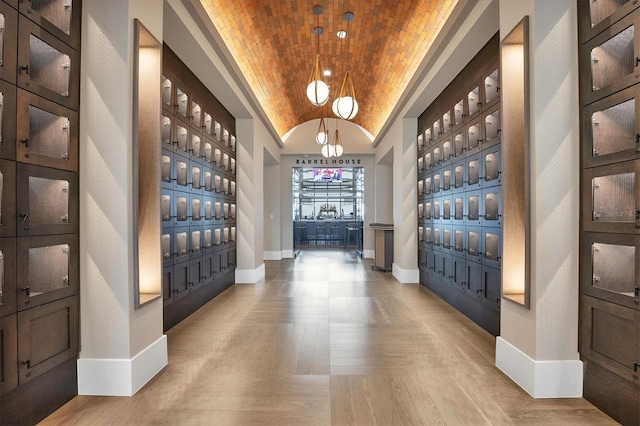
326, 201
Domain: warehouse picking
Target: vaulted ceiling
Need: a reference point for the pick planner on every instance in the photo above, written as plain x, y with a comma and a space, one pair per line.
273, 44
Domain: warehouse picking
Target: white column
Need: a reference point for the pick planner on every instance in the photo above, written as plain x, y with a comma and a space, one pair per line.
384, 193
538, 347
250, 199
272, 212
122, 348
405, 200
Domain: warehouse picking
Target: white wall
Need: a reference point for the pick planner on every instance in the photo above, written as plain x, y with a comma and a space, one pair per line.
556, 157
249, 196
301, 139
104, 200
518, 325
405, 176
547, 333
113, 334
384, 189
400, 139
252, 138
272, 212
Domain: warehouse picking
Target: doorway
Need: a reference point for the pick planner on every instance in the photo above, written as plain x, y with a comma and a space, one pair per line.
328, 207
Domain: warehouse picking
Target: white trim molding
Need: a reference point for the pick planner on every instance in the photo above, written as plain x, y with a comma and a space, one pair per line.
540, 379
272, 255
405, 276
287, 254
122, 377
250, 276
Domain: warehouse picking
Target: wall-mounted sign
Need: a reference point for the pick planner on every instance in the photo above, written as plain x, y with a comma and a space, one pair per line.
328, 161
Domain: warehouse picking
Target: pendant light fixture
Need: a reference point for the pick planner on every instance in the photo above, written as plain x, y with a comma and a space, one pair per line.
333, 148
337, 144
327, 149
317, 89
323, 135
345, 106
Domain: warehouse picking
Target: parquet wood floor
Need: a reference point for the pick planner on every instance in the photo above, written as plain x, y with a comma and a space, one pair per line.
326, 340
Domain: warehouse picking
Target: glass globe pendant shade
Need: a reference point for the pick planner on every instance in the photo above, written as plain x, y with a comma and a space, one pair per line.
321, 138
327, 150
337, 145
317, 89
318, 92
338, 150
347, 107
334, 106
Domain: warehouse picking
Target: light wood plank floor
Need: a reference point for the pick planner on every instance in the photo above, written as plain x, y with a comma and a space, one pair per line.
326, 340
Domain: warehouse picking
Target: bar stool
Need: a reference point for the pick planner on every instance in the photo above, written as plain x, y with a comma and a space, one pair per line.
335, 233
311, 233
321, 235
299, 234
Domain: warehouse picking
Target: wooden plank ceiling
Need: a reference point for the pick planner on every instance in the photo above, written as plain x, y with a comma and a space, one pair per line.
274, 46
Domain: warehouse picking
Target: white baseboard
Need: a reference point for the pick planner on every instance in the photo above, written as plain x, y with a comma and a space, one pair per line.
405, 276
272, 255
250, 276
278, 255
122, 377
369, 254
287, 254
540, 379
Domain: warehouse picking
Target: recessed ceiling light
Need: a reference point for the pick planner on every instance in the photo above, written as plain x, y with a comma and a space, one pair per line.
327, 73
341, 34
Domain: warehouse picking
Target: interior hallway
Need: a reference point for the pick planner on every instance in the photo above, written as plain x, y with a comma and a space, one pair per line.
326, 340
